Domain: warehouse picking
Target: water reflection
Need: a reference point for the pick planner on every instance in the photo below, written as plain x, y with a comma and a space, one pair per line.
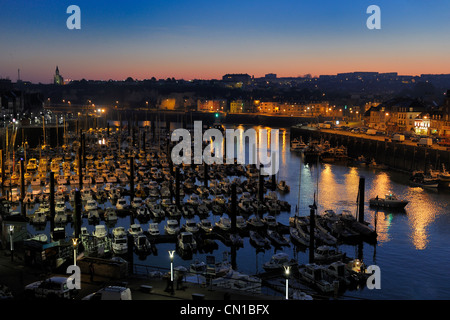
381, 185
421, 213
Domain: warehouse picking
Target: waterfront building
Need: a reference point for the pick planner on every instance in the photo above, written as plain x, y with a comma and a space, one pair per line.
214, 105
397, 114
168, 104
446, 115
422, 124
240, 106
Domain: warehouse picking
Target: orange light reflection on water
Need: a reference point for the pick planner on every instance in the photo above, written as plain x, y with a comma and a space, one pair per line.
421, 213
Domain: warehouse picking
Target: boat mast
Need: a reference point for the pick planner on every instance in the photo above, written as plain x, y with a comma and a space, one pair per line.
317, 183
297, 209
43, 128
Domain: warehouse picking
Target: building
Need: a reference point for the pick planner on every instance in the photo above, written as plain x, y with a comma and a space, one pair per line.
58, 79
168, 104
446, 115
237, 80
310, 109
240, 106
270, 76
215, 105
395, 115
422, 124
268, 107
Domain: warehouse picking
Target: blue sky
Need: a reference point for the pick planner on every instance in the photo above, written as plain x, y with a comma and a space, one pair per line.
205, 39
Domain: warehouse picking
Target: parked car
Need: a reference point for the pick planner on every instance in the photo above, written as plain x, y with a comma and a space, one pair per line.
51, 288
110, 293
427, 142
398, 138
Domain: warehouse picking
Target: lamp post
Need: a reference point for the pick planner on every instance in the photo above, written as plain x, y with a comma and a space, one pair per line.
171, 254
11, 232
75, 243
287, 271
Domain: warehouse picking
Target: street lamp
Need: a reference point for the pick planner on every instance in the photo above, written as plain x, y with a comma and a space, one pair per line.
171, 254
287, 271
75, 243
11, 232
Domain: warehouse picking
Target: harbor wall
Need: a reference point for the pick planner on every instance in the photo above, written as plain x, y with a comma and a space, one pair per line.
395, 155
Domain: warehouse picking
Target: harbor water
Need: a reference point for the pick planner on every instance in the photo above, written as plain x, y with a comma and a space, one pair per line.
412, 248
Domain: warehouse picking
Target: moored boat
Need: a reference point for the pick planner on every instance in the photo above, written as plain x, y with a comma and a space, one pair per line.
390, 201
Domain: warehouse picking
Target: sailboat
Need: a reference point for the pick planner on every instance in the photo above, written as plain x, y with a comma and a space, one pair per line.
296, 236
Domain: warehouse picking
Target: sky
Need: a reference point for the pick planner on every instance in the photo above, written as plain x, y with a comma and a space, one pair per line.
201, 39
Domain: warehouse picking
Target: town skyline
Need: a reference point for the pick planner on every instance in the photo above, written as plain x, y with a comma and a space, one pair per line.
68, 79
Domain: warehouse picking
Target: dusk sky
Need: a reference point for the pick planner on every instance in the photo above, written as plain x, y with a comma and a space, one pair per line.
206, 39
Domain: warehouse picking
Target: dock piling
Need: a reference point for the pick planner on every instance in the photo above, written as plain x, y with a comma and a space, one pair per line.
131, 158
361, 199
77, 214
177, 187
22, 187
3, 168
312, 225
52, 201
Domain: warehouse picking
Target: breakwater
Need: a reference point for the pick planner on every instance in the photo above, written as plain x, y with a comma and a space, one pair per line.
395, 155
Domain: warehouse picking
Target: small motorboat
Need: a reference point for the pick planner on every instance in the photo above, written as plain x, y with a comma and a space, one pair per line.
277, 239
156, 210
136, 203
205, 225
241, 223
191, 226
279, 261
390, 201
327, 254
283, 187
297, 237
142, 244
100, 231
153, 229
143, 212
120, 244
135, 230
258, 240
297, 145
270, 221
119, 232
60, 217
224, 223
91, 205
39, 218
110, 215
172, 227
93, 216
186, 241
314, 275
122, 204
255, 222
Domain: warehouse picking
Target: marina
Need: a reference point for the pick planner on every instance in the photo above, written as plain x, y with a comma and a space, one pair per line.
128, 200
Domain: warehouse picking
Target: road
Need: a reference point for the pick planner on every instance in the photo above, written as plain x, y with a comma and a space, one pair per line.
377, 138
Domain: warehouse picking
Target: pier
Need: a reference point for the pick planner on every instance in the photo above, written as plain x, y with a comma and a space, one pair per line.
404, 156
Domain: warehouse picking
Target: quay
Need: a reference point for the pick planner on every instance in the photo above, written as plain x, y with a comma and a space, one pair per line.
405, 156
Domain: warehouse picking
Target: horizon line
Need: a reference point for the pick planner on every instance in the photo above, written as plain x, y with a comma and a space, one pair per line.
308, 75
